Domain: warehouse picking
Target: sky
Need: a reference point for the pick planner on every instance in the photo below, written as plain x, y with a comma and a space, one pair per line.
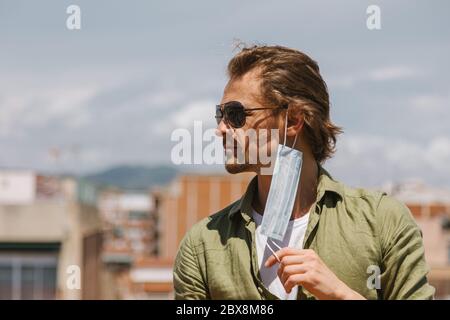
112, 92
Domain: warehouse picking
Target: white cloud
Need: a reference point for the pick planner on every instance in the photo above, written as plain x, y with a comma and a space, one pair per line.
373, 160
392, 73
202, 110
163, 98
384, 73
12, 107
37, 106
438, 154
430, 102
184, 117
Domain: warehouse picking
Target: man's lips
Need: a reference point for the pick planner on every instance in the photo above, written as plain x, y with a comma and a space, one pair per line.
232, 147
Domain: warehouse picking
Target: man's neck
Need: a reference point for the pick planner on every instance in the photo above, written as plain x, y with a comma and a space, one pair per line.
306, 192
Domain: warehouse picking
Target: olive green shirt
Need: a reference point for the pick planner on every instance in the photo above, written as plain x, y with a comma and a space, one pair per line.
355, 232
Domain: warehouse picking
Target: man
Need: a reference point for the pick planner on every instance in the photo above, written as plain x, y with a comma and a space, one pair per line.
341, 242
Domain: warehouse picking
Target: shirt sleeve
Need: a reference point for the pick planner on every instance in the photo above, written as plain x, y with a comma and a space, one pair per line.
403, 269
187, 278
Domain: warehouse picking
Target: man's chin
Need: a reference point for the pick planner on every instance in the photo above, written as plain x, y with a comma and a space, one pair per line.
234, 168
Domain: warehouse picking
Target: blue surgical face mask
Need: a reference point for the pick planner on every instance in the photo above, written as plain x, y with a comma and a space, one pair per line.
283, 189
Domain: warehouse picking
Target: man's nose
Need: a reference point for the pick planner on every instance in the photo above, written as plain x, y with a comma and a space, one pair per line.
221, 129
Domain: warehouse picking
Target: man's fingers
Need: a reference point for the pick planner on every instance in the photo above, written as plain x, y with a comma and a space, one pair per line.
270, 261
292, 281
287, 271
294, 259
281, 254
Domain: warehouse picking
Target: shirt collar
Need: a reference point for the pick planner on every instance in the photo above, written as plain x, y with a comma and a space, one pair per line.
326, 185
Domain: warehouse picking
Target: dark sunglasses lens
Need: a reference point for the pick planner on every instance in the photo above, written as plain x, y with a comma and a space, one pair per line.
235, 114
219, 114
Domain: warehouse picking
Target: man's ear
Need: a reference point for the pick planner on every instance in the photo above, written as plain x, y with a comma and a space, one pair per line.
295, 124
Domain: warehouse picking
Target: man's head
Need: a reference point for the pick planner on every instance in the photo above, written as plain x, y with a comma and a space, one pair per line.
281, 80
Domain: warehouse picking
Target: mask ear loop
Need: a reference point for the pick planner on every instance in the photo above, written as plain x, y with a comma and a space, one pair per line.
295, 140
285, 132
273, 251
285, 128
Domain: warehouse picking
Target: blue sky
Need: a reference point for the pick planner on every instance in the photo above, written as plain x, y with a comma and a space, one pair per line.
112, 92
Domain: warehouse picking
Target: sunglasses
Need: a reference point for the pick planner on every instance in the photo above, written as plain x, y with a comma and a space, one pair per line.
234, 113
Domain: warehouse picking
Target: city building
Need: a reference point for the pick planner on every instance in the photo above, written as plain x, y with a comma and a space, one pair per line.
129, 224
50, 238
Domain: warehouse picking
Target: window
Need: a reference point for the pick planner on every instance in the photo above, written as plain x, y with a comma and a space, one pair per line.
26, 276
138, 215
5, 282
118, 232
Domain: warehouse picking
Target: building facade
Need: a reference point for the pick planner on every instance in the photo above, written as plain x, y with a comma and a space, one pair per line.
50, 238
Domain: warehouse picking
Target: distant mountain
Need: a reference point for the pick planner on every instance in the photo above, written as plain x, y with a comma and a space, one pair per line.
134, 177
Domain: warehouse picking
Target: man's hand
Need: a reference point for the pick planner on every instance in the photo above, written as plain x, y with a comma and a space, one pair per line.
305, 268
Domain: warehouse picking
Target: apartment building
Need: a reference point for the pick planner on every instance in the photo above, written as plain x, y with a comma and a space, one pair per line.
50, 237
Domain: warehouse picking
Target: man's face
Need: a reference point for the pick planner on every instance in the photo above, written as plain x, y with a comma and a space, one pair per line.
249, 148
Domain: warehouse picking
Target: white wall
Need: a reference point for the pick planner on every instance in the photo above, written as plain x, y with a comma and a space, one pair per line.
17, 187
